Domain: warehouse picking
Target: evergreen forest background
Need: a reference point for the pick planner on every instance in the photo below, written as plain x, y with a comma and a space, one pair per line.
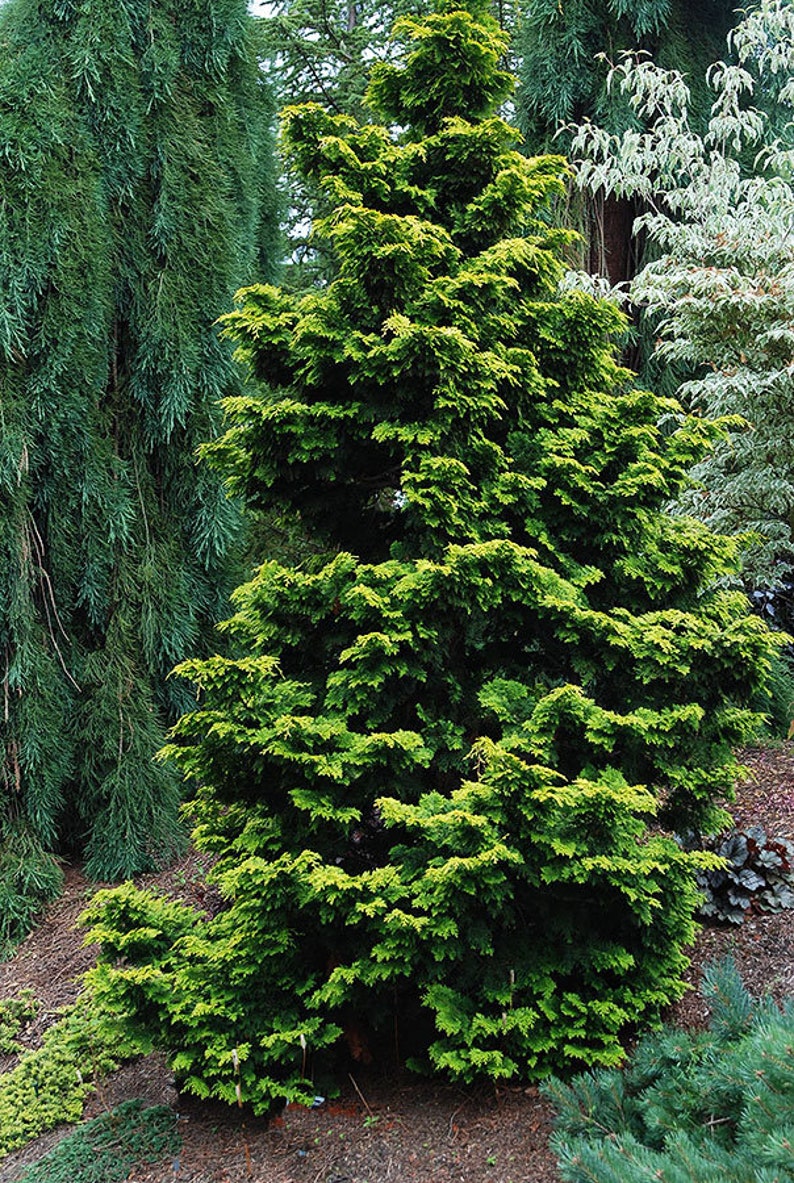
502, 615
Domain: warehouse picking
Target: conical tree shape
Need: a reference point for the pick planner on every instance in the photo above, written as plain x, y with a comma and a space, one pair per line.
429, 773
134, 199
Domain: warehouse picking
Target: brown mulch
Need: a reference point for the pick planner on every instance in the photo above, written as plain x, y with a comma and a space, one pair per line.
381, 1127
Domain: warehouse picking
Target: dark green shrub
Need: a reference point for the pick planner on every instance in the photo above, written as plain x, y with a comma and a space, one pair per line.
710, 1107
106, 1149
428, 772
29, 879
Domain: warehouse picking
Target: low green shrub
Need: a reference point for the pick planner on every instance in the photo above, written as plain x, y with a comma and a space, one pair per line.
106, 1149
703, 1107
14, 1014
29, 879
50, 1085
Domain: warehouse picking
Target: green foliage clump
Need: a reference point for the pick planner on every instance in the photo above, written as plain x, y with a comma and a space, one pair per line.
29, 879
49, 1085
14, 1014
106, 1149
705, 1107
134, 199
428, 773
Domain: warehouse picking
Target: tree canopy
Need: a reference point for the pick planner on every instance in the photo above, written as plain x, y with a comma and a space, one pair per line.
565, 50
562, 47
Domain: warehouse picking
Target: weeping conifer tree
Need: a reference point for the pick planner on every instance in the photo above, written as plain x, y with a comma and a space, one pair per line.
135, 196
428, 771
562, 80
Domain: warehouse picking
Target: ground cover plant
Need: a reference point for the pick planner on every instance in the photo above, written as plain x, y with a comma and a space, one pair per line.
757, 872
106, 1149
703, 1107
49, 1084
14, 1014
428, 772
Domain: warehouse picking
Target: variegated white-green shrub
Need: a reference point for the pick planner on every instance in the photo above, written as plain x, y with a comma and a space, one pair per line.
720, 293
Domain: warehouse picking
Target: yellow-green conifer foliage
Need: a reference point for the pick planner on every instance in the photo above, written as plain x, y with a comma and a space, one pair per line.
134, 176
430, 771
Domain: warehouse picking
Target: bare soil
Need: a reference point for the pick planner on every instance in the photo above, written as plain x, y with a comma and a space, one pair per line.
381, 1127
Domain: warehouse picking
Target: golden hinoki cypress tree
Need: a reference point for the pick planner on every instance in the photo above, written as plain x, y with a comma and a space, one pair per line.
429, 769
